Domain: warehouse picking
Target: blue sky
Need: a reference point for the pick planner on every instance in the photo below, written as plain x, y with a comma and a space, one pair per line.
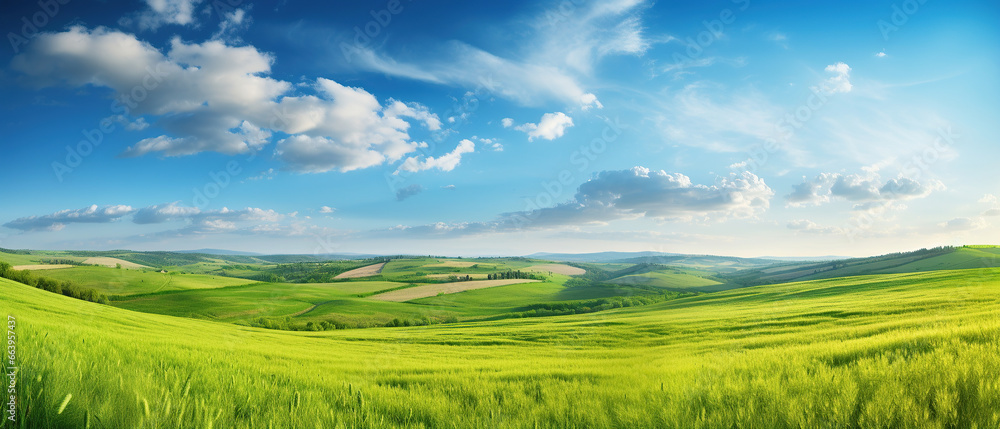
730, 127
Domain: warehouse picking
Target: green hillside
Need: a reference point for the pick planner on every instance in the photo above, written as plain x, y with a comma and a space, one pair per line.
941, 258
130, 282
894, 350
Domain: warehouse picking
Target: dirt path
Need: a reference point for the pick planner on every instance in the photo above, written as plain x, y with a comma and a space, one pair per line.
366, 271
41, 267
425, 291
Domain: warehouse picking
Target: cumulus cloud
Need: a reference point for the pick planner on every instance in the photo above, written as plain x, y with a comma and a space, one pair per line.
550, 127
326, 209
58, 220
866, 189
215, 97
629, 194
840, 81
409, 191
446, 162
163, 213
507, 122
641, 192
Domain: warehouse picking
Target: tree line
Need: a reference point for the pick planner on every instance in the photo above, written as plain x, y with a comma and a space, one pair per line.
510, 274
67, 288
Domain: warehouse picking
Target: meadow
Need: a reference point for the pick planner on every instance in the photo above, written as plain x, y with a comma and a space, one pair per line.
888, 350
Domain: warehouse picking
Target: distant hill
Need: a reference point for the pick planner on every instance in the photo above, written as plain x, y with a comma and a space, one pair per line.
720, 264
593, 257
939, 258
219, 252
701, 262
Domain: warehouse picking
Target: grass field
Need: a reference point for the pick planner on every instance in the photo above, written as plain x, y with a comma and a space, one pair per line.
672, 279
425, 291
131, 282
895, 350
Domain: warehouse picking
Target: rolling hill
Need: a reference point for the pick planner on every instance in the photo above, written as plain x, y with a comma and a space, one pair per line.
909, 350
940, 258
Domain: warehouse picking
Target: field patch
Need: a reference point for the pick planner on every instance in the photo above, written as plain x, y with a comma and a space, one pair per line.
444, 288
452, 264
477, 276
558, 269
111, 262
366, 271
41, 267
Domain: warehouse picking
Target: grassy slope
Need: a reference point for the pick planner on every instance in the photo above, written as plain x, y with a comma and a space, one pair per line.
906, 350
934, 259
674, 280
115, 281
303, 302
35, 257
961, 258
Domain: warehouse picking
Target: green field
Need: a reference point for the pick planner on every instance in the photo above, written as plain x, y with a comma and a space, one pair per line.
894, 350
671, 279
115, 281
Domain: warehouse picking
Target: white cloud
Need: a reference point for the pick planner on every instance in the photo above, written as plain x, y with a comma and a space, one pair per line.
214, 97
866, 189
264, 175
550, 127
629, 194
522, 82
326, 209
446, 162
232, 22
507, 122
881, 54
58, 220
840, 81
490, 143
164, 213
179, 12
